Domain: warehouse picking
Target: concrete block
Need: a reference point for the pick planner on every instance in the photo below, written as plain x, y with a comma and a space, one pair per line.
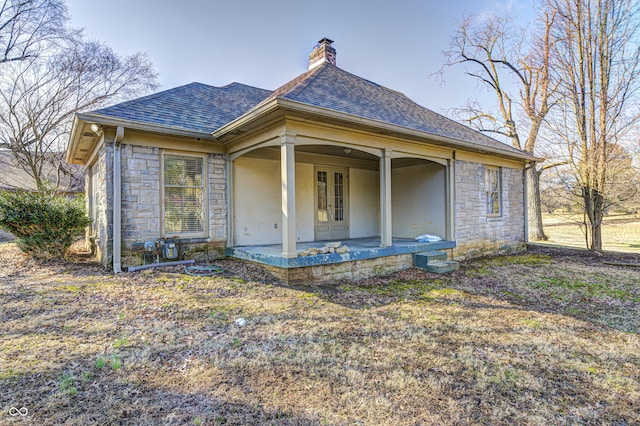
316, 271
422, 259
443, 267
298, 274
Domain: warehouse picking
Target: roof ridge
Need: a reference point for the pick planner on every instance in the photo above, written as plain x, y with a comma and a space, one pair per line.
314, 73
236, 83
151, 96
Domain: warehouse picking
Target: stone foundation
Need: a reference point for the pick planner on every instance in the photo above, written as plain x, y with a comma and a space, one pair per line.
198, 251
481, 248
353, 270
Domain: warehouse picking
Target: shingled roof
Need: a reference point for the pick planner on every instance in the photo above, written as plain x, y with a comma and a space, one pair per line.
193, 107
330, 87
201, 108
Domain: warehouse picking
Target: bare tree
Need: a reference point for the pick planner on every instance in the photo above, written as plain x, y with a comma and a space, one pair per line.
26, 26
597, 58
39, 96
515, 67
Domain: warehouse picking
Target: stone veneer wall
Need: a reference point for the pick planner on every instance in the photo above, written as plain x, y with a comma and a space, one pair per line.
98, 239
342, 271
477, 234
141, 206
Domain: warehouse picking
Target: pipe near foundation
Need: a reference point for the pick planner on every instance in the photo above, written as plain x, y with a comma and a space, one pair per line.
160, 264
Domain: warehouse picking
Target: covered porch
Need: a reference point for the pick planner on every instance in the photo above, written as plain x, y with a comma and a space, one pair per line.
300, 189
358, 249
365, 258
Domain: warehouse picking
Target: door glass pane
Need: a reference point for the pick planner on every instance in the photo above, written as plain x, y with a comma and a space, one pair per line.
323, 214
338, 185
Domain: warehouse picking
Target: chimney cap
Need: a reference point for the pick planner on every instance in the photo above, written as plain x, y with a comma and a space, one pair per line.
322, 53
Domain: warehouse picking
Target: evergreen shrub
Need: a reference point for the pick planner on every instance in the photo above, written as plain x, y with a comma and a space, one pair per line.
44, 224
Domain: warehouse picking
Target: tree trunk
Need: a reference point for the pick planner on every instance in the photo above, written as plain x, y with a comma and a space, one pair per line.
536, 233
593, 206
596, 227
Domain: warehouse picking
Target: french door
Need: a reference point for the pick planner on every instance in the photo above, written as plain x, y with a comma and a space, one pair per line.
332, 216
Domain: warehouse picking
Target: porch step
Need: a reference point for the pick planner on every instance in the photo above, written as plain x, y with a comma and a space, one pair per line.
443, 267
421, 260
435, 261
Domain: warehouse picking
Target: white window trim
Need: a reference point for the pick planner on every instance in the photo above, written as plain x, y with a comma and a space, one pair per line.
205, 197
499, 174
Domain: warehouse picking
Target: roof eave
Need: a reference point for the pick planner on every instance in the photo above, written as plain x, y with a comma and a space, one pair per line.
73, 140
248, 117
105, 120
287, 104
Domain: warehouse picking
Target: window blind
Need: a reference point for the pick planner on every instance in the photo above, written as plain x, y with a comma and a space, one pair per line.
183, 194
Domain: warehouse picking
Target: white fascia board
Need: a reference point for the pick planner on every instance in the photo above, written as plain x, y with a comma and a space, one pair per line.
138, 125
276, 103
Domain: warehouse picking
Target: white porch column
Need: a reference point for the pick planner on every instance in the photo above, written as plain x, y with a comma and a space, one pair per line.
450, 182
385, 199
288, 179
230, 213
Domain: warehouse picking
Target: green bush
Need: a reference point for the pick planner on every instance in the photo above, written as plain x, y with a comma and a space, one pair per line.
45, 225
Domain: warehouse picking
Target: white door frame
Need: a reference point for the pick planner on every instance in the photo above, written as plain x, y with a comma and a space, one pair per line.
335, 223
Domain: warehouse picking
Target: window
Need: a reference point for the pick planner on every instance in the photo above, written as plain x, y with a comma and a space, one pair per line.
492, 190
184, 195
323, 212
338, 195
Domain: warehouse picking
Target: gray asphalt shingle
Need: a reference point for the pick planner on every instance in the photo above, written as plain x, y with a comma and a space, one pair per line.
194, 107
201, 108
333, 88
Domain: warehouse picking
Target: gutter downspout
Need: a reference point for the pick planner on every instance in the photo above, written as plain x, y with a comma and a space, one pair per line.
526, 201
117, 202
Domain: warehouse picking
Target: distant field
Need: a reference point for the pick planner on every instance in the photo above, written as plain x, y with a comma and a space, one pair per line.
620, 232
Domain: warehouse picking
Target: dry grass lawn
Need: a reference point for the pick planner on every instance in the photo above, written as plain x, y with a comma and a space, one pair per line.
620, 232
544, 338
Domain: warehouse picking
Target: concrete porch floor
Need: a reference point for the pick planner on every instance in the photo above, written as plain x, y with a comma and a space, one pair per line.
359, 249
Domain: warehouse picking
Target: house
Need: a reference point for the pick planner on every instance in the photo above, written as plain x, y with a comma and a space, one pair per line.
268, 175
69, 179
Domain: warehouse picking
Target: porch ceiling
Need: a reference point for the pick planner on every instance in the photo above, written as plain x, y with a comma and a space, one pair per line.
337, 151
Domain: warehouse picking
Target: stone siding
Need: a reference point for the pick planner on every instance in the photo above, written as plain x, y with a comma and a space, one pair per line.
142, 206
475, 232
217, 198
140, 195
100, 230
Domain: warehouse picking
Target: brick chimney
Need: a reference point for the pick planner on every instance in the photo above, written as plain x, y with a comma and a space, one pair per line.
322, 52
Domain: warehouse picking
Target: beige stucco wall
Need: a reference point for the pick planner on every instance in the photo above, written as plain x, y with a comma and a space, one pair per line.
477, 233
364, 203
257, 202
304, 202
418, 200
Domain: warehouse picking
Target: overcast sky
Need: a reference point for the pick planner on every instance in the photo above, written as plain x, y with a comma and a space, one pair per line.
265, 43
